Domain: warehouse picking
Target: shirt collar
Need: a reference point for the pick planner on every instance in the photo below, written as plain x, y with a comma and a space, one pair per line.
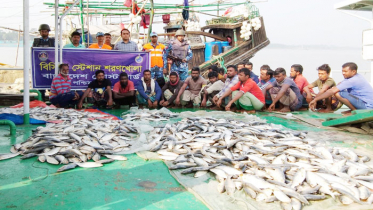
44, 39
68, 77
129, 41
154, 45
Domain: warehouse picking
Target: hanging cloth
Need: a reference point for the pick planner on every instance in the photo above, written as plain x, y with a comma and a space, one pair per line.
127, 3
186, 10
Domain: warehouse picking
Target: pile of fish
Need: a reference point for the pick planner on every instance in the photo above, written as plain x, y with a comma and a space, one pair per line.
266, 161
80, 137
154, 116
51, 114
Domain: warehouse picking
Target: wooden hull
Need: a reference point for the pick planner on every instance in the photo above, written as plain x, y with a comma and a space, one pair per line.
242, 51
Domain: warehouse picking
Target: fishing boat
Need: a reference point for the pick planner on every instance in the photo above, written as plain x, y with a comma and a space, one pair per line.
228, 45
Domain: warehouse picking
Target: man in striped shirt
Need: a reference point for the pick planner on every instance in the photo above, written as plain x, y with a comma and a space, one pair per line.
61, 94
232, 80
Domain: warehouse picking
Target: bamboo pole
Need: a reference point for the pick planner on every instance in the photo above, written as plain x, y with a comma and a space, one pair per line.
19, 35
151, 20
82, 21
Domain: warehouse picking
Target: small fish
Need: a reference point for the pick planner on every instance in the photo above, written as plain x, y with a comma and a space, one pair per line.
116, 157
89, 164
8, 156
67, 167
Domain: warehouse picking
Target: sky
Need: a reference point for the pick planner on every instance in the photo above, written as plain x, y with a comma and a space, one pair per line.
289, 22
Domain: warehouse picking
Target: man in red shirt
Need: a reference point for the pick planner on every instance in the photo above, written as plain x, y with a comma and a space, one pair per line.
124, 92
296, 74
245, 94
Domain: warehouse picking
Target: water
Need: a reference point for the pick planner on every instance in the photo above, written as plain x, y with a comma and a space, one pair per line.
275, 57
310, 59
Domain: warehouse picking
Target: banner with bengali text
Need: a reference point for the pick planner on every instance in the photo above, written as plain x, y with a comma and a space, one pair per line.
83, 63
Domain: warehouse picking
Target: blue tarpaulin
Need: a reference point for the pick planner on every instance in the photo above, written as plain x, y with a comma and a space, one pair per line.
18, 120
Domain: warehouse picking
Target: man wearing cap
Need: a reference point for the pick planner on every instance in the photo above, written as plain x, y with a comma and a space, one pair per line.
75, 38
180, 52
126, 44
44, 40
156, 53
100, 42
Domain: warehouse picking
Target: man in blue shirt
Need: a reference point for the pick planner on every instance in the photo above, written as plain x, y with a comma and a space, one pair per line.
75, 38
354, 91
126, 44
148, 91
266, 78
253, 76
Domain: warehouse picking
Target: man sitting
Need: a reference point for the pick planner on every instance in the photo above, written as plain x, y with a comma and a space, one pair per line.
214, 87
296, 73
253, 76
99, 91
221, 74
266, 78
124, 92
171, 90
284, 91
245, 94
195, 83
149, 92
231, 80
354, 91
61, 94
324, 83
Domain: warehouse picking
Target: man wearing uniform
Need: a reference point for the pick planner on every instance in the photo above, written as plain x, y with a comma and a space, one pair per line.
180, 52
156, 53
44, 40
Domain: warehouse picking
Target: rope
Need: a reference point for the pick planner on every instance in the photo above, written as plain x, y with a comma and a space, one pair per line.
219, 62
39, 179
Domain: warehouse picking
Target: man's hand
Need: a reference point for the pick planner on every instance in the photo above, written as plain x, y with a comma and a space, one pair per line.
184, 60
177, 101
110, 102
218, 104
161, 102
165, 103
203, 104
150, 104
228, 107
80, 104
76, 97
215, 100
271, 107
312, 105
155, 104
309, 99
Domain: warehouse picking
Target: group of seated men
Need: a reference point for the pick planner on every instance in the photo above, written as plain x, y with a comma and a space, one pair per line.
236, 88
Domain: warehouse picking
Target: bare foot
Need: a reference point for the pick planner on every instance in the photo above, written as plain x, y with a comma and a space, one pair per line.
216, 108
248, 111
303, 109
346, 113
285, 109
233, 109
189, 105
325, 111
